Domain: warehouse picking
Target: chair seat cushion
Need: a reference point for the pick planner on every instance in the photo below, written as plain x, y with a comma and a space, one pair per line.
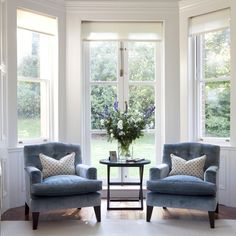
64, 185
182, 185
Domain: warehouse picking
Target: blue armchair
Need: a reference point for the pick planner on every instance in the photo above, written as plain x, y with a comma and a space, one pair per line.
77, 190
185, 191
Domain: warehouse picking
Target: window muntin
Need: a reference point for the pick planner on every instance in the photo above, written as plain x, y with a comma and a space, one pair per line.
35, 70
213, 76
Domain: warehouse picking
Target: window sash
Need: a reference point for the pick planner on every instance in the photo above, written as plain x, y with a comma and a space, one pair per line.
200, 81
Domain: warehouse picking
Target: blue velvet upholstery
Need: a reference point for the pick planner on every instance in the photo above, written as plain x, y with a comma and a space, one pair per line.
64, 185
185, 191
61, 191
182, 185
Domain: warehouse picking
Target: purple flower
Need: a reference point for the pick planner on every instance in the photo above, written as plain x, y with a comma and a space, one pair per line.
149, 112
116, 105
106, 110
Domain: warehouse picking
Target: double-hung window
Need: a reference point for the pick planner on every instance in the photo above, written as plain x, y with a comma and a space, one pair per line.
122, 62
210, 35
36, 54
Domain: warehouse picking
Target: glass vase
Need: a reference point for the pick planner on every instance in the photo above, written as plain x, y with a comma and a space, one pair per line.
125, 151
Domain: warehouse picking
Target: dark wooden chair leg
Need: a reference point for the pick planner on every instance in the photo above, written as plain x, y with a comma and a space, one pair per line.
79, 208
217, 208
26, 209
35, 219
165, 208
211, 215
97, 210
149, 213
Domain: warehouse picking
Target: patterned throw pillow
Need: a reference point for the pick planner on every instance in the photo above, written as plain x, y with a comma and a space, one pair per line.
192, 167
64, 166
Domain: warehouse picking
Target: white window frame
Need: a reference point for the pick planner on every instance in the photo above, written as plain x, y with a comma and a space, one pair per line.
48, 100
197, 74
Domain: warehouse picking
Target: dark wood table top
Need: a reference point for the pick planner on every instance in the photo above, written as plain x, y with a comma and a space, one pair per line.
124, 163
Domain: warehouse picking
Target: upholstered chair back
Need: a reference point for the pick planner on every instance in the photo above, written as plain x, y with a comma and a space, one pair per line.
192, 150
55, 150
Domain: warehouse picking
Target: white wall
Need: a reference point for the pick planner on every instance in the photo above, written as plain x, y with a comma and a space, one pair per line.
167, 12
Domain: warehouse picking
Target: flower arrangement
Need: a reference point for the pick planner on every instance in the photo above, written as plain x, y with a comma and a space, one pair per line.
125, 126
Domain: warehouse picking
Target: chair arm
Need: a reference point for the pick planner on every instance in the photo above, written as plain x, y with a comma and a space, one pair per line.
210, 174
159, 172
86, 171
34, 174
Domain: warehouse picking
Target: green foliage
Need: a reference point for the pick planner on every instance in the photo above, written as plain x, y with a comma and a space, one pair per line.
28, 92
216, 54
101, 95
141, 61
141, 97
28, 99
217, 111
103, 61
29, 67
28, 128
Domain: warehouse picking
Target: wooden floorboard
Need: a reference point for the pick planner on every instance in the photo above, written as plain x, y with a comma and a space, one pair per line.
88, 213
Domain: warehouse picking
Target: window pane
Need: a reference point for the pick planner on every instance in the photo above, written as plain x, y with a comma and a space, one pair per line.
216, 109
35, 56
103, 61
100, 148
28, 59
216, 54
141, 60
101, 96
144, 148
28, 108
141, 98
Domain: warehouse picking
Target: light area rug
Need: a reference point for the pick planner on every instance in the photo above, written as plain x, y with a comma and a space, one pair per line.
119, 228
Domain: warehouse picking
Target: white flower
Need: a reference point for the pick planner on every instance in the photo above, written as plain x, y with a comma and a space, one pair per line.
120, 124
102, 122
112, 135
151, 125
121, 133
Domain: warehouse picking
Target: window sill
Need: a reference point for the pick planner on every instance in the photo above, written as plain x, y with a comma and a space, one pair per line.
216, 141
31, 142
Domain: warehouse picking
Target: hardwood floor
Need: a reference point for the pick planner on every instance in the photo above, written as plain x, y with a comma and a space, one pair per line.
88, 213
